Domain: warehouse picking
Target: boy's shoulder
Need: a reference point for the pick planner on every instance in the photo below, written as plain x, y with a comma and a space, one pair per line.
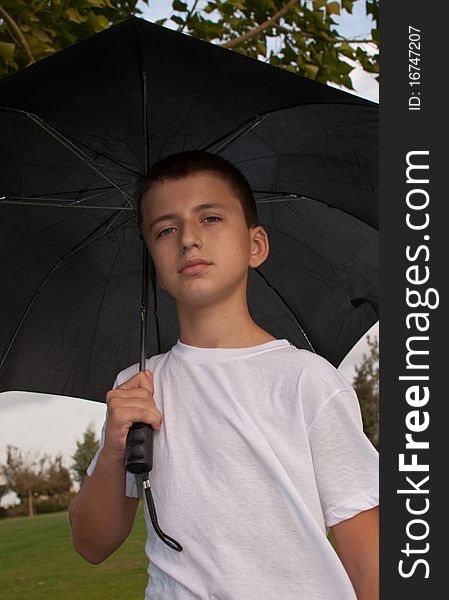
134, 369
320, 384
311, 366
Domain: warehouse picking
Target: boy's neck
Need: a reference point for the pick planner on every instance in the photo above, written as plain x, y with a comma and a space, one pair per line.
220, 327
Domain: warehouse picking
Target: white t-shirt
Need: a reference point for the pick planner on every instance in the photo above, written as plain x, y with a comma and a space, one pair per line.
260, 451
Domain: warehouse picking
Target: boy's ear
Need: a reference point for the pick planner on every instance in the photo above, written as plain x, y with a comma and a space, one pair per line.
260, 246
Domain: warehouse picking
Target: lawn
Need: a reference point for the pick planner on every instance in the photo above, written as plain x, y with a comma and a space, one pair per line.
37, 561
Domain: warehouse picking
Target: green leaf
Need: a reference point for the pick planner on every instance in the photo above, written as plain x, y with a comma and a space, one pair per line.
7, 51
347, 5
97, 3
348, 52
102, 21
41, 35
346, 81
180, 6
361, 54
177, 19
372, 8
29, 15
318, 4
240, 4
261, 47
73, 15
289, 53
318, 16
333, 8
228, 9
311, 71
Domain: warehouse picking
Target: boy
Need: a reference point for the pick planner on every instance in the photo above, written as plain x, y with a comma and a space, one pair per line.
258, 447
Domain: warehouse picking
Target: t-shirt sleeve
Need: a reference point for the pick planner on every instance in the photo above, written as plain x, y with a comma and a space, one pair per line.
345, 462
132, 489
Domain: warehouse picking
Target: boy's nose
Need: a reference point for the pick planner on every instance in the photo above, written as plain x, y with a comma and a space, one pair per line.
190, 237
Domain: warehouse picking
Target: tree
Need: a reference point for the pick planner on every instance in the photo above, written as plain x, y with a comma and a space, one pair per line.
3, 485
85, 450
57, 478
366, 385
33, 29
309, 43
24, 475
305, 29
32, 476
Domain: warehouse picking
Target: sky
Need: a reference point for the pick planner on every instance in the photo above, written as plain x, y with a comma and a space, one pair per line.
40, 423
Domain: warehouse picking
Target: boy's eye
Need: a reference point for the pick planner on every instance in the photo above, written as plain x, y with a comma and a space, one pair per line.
165, 232
212, 218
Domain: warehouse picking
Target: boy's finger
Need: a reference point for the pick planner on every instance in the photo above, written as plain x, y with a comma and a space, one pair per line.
146, 380
142, 379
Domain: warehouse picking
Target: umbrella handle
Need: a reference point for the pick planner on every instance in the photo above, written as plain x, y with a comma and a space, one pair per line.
139, 448
139, 460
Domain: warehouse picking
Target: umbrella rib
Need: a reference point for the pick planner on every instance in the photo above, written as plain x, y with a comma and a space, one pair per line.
48, 195
88, 240
288, 196
249, 125
235, 134
280, 197
287, 306
15, 200
70, 146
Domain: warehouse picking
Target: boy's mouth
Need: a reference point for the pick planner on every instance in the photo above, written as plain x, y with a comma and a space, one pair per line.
193, 265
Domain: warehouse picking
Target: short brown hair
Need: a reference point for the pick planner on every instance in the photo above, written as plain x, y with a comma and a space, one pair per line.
183, 164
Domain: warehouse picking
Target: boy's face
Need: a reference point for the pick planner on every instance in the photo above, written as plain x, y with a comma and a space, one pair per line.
198, 218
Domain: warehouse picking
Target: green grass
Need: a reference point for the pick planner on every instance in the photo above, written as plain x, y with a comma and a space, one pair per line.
37, 561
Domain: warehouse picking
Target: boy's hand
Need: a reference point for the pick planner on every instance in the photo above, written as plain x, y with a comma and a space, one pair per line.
131, 402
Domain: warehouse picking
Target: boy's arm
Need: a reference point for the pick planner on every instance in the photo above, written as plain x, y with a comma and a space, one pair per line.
101, 515
357, 541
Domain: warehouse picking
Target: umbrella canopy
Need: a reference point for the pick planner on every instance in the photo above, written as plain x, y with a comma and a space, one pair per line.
80, 128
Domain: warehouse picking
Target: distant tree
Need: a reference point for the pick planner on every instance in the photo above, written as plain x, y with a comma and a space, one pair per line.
24, 474
32, 477
85, 450
57, 477
3, 486
366, 385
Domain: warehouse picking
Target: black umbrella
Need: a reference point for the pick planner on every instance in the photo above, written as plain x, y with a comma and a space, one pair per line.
78, 131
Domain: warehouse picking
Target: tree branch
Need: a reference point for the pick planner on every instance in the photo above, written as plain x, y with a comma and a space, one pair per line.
20, 37
181, 27
254, 32
315, 37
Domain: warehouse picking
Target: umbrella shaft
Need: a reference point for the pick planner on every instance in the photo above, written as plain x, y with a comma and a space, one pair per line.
144, 308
